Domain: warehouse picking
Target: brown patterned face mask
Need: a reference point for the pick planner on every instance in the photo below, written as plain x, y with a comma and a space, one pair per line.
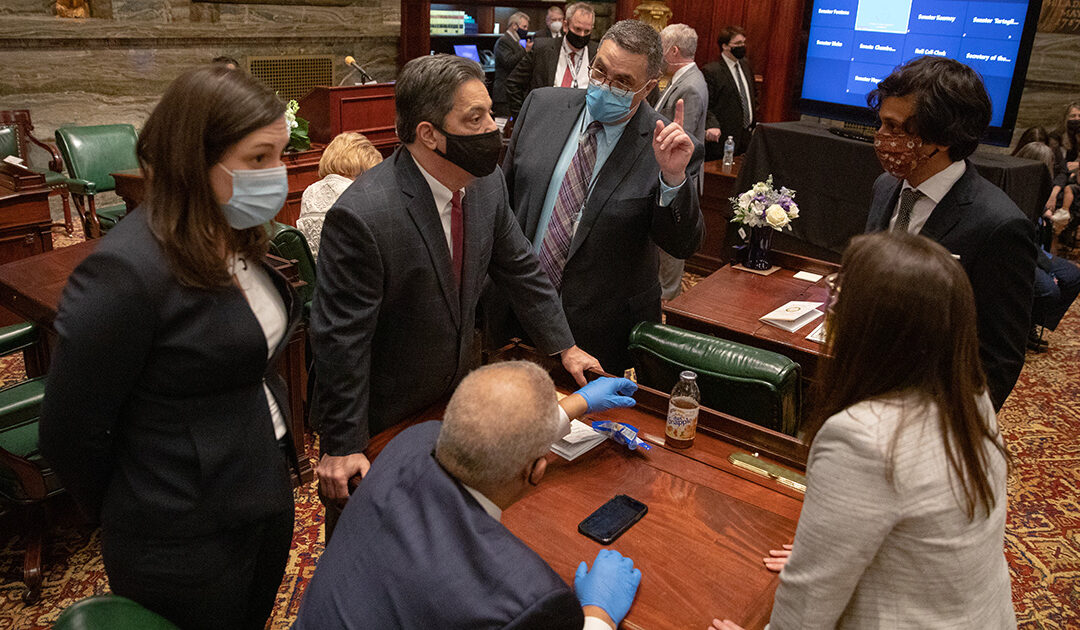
899, 153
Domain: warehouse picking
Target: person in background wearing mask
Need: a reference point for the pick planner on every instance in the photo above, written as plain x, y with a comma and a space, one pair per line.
933, 112
404, 253
165, 415
556, 62
598, 181
687, 86
554, 23
508, 52
732, 96
421, 544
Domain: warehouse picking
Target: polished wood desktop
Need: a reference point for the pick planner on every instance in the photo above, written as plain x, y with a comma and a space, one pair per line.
32, 288
729, 303
709, 523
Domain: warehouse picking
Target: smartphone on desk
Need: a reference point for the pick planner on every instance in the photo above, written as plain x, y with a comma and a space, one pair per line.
613, 518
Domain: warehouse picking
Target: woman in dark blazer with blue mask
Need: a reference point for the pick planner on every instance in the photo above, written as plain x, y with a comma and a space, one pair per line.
164, 415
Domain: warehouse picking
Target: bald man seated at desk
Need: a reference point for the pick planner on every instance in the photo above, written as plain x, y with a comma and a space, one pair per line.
420, 544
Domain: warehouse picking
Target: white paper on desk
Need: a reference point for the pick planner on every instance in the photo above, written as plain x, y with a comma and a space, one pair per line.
16, 161
806, 275
581, 439
793, 315
818, 334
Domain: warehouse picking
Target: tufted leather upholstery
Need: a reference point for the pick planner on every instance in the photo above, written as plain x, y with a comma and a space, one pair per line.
289, 243
9, 141
749, 383
110, 612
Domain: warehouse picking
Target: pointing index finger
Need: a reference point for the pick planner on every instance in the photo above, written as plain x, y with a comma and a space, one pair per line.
679, 108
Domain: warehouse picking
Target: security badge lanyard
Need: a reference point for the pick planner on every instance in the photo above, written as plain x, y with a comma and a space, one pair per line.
575, 65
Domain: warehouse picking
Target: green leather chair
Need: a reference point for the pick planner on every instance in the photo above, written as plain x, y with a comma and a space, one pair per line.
91, 154
110, 612
289, 243
16, 136
749, 383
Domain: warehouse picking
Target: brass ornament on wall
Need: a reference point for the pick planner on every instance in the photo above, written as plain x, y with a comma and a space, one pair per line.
72, 8
655, 13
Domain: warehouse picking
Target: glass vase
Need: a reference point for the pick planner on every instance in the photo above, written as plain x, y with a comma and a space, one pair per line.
757, 256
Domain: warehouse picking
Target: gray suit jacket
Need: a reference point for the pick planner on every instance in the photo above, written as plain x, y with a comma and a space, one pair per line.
609, 282
390, 330
694, 92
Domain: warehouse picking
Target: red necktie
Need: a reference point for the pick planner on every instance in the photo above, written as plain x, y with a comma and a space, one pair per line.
457, 235
568, 76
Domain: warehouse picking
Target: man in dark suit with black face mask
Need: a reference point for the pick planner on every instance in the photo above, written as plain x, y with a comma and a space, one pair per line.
732, 107
556, 62
404, 253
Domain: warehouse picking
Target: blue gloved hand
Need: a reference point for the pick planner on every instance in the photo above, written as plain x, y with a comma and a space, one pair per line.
611, 584
607, 393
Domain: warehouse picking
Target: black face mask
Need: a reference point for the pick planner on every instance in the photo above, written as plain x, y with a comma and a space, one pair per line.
476, 154
1073, 126
577, 41
523, 33
738, 52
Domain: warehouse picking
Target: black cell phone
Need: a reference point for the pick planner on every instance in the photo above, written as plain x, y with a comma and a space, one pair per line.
613, 518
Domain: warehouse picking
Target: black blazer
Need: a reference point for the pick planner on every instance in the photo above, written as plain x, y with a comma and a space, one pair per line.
390, 330
155, 416
414, 550
996, 245
610, 280
508, 52
536, 70
725, 108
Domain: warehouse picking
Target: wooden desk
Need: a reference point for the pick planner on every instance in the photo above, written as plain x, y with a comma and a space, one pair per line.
709, 523
32, 288
25, 230
729, 303
719, 188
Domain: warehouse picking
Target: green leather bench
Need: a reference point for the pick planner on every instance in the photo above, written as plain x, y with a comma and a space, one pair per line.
749, 383
92, 154
110, 612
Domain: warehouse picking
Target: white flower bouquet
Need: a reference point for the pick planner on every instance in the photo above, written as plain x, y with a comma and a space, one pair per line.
765, 206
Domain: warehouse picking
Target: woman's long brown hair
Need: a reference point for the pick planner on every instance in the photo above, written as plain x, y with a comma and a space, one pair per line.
203, 113
904, 322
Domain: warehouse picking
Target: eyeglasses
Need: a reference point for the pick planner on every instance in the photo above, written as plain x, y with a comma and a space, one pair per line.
618, 88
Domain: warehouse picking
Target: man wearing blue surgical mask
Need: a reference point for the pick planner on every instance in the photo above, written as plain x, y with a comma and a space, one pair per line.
403, 255
598, 181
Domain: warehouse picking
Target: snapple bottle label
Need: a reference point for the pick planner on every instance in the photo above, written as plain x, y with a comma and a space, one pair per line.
682, 412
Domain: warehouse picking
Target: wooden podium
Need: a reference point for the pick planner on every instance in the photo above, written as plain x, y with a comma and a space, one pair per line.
367, 109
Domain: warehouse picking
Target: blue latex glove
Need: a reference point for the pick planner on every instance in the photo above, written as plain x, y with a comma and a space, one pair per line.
611, 584
607, 393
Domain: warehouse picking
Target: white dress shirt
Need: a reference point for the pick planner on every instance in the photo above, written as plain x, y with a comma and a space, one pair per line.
580, 68
933, 191
736, 71
269, 309
443, 197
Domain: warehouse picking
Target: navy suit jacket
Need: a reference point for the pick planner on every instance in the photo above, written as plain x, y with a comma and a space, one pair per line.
391, 331
610, 279
414, 550
996, 245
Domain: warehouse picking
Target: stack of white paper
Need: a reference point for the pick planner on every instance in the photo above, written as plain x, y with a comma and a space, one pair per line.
793, 315
581, 439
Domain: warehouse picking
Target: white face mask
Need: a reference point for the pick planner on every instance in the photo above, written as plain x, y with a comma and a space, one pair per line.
556, 26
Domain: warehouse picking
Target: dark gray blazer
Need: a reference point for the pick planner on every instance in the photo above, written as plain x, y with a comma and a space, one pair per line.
609, 282
508, 52
155, 417
725, 107
536, 70
390, 331
996, 245
414, 550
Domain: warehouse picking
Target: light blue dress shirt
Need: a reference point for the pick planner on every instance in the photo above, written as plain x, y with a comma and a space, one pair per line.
606, 139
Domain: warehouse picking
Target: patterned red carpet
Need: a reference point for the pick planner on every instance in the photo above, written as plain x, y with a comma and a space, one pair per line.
1041, 422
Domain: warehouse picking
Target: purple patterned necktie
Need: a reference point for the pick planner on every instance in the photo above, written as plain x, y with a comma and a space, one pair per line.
575, 186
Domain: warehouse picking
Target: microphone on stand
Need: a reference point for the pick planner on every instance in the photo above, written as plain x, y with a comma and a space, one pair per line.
364, 76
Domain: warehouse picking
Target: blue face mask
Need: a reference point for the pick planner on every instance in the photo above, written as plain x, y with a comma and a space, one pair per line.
257, 196
604, 105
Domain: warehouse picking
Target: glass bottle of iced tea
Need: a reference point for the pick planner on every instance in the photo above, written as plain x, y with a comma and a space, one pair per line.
683, 411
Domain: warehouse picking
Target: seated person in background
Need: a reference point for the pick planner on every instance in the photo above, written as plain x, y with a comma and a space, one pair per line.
1070, 141
903, 523
347, 156
420, 545
1028, 146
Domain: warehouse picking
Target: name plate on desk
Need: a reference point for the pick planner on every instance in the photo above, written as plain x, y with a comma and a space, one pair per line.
16, 178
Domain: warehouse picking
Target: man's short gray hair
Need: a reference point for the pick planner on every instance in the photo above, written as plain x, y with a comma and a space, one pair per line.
516, 19
578, 6
680, 35
501, 418
426, 88
638, 38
